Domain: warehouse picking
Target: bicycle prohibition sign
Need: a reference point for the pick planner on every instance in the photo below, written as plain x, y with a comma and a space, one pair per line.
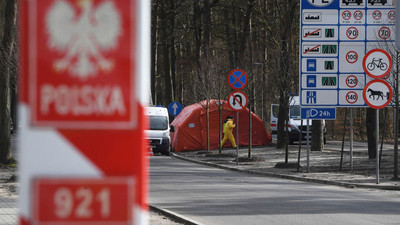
377, 63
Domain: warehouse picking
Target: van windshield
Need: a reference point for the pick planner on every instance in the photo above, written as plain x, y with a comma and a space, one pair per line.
158, 123
295, 112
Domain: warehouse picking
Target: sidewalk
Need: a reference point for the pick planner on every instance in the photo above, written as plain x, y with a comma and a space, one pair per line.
8, 197
324, 166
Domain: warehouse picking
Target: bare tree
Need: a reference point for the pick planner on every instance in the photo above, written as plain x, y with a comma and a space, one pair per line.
8, 51
280, 22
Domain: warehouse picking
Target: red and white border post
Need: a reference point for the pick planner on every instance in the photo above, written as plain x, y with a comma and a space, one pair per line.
84, 85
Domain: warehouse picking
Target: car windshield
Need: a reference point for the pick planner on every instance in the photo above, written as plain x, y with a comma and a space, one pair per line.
158, 123
295, 112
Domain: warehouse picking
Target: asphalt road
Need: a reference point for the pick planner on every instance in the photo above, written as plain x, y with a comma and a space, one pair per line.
214, 196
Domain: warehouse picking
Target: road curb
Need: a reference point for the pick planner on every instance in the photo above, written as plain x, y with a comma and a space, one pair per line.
174, 216
291, 177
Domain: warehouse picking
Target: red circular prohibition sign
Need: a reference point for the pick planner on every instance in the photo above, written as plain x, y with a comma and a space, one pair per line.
237, 79
387, 102
365, 63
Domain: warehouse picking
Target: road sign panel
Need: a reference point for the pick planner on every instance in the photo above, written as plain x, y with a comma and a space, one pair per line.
237, 79
320, 81
377, 63
323, 33
361, 25
380, 33
237, 100
350, 57
352, 16
320, 65
380, 16
318, 113
174, 108
351, 98
377, 94
317, 17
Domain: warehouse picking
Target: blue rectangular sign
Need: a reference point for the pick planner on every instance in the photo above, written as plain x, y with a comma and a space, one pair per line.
318, 113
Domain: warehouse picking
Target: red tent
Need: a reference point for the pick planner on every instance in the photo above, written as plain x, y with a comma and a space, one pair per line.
191, 127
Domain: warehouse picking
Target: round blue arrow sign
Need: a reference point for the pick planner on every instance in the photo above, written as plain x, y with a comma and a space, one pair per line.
174, 108
237, 79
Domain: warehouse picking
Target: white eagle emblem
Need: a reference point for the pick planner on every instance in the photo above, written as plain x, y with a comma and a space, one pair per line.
82, 37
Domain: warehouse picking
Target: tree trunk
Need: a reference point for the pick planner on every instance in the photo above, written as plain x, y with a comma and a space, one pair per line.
208, 125
154, 44
317, 135
282, 115
167, 94
172, 50
371, 132
7, 35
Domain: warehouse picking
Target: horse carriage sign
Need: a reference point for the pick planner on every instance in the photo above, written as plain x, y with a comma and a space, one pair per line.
377, 94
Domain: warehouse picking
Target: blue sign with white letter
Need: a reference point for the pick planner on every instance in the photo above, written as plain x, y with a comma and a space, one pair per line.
318, 113
174, 108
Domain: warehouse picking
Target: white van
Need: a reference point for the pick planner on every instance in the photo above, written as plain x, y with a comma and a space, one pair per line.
294, 123
158, 133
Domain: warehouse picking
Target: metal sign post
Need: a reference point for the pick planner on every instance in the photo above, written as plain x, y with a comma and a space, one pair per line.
237, 100
237, 137
351, 139
308, 146
377, 146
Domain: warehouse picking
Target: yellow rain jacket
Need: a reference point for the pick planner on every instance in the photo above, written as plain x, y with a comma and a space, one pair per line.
228, 133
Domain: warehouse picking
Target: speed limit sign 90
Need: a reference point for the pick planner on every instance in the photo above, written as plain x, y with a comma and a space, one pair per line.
352, 33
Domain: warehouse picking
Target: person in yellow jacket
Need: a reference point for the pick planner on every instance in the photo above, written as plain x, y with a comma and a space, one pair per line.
228, 133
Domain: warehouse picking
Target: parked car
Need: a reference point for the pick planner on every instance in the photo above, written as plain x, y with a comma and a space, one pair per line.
158, 132
294, 123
